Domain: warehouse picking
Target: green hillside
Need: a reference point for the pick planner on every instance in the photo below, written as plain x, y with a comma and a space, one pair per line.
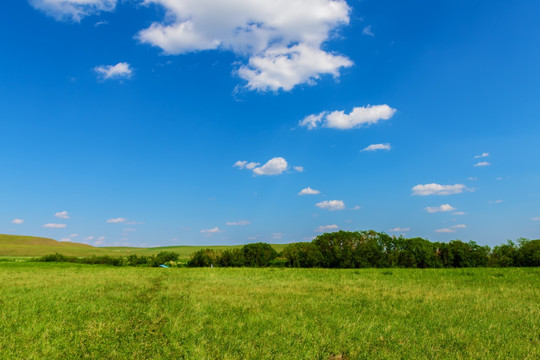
17, 245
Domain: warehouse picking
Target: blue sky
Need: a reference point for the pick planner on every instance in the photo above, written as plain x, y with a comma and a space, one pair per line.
166, 122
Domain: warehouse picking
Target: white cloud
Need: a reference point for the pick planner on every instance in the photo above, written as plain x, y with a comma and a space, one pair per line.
374, 147
65, 239
331, 205
437, 189
240, 164
495, 201
367, 31
252, 165
274, 166
277, 236
17, 221
358, 117
99, 242
54, 226
73, 10
357, 207
281, 39
483, 155
442, 208
73, 235
482, 163
116, 220
536, 218
122, 70
88, 238
62, 215
473, 178
451, 229
309, 191
324, 228
238, 223
101, 238
211, 231
459, 213
400, 229
298, 168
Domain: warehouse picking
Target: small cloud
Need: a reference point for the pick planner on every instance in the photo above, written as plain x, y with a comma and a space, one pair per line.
358, 117
211, 231
451, 229
132, 222
277, 236
17, 221
62, 215
274, 166
482, 163
101, 238
73, 235
331, 205
54, 226
324, 228
116, 220
240, 164
65, 239
367, 31
460, 226
473, 178
400, 229
357, 207
459, 213
299, 168
88, 238
102, 22
442, 208
308, 191
437, 189
252, 238
536, 218
375, 147
498, 178
238, 223
120, 71
483, 155
495, 201
99, 242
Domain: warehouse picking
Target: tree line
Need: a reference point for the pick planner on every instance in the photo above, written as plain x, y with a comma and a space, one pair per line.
362, 249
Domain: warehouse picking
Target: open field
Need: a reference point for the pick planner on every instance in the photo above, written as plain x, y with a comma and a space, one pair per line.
17, 246
59, 310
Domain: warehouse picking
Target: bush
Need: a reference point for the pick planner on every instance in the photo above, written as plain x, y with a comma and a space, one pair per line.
303, 254
258, 254
203, 258
232, 258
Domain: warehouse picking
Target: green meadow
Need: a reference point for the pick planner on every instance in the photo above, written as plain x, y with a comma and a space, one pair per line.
73, 311
28, 246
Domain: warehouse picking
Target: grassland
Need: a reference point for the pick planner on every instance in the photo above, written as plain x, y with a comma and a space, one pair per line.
21, 246
60, 311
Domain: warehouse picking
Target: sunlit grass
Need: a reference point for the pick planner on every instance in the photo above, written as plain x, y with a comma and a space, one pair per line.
83, 311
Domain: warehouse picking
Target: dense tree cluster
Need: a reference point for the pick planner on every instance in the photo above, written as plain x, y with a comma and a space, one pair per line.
164, 257
361, 249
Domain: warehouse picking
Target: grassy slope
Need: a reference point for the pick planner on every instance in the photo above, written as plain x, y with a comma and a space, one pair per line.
63, 311
16, 245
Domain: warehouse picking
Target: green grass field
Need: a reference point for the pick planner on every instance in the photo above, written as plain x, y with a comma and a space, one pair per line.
21, 246
71, 311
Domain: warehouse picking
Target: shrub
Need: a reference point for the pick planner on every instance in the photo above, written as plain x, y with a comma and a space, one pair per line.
302, 255
258, 254
203, 258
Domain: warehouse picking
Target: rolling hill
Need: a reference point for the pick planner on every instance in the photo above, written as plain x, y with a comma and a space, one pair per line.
18, 245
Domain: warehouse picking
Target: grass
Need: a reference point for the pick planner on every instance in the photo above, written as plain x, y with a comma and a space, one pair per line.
20, 246
58, 311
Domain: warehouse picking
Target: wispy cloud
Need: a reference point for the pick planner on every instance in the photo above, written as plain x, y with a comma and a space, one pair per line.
73, 10
17, 221
331, 205
482, 163
483, 155
438, 189
375, 147
451, 229
116, 220
459, 213
238, 223
62, 215
536, 218
211, 231
400, 229
324, 228
367, 31
119, 71
358, 117
441, 208
277, 236
54, 226
308, 191
495, 201
298, 168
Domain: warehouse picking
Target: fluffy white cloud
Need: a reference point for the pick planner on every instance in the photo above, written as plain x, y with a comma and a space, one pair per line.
62, 215
274, 166
483, 155
211, 231
17, 221
331, 205
116, 220
374, 147
324, 228
238, 223
482, 163
282, 39
54, 226
437, 189
442, 208
73, 10
122, 70
309, 191
298, 168
451, 229
358, 117
400, 229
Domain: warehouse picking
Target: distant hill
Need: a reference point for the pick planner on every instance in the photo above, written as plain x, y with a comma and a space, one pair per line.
17, 245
